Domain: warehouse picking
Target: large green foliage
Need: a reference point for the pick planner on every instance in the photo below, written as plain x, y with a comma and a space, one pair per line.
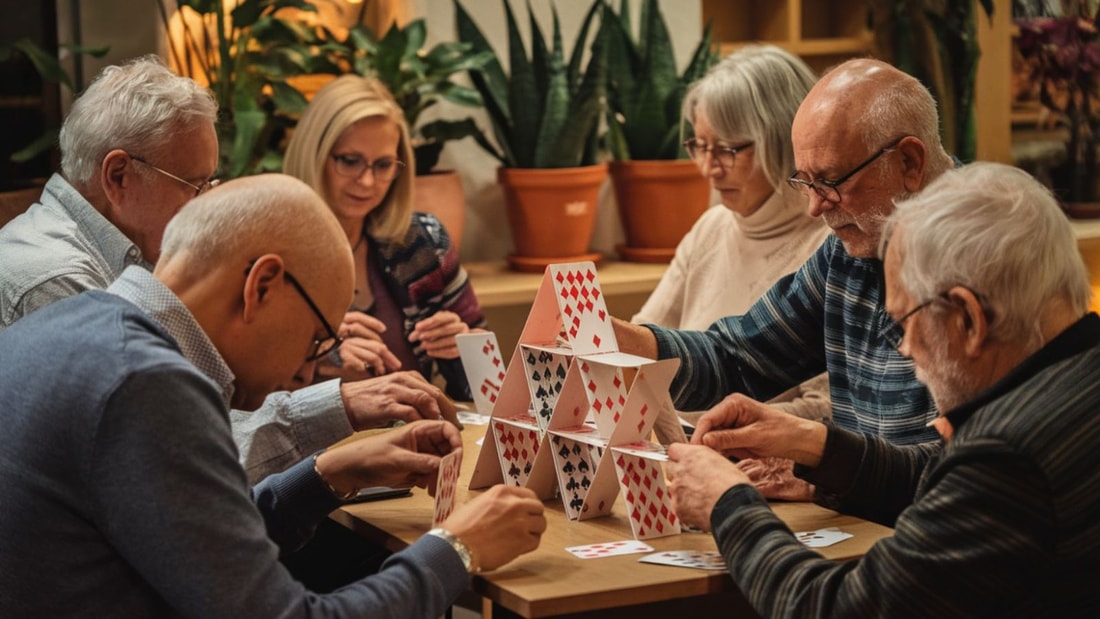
546, 113
645, 92
419, 78
246, 56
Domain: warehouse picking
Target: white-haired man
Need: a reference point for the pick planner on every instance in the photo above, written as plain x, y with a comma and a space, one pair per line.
998, 519
137, 145
121, 488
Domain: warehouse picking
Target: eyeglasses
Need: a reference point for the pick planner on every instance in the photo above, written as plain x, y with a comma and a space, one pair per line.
827, 189
724, 155
321, 347
894, 332
199, 189
352, 166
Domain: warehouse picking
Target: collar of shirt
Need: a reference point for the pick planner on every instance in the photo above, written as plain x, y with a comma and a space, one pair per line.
138, 286
119, 251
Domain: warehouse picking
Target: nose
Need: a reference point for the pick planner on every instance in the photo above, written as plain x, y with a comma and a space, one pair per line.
710, 166
367, 172
818, 205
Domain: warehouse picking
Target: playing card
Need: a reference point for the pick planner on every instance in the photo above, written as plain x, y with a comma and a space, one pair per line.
822, 537
546, 372
484, 367
609, 549
576, 472
518, 444
649, 505
606, 390
445, 486
697, 559
644, 449
583, 311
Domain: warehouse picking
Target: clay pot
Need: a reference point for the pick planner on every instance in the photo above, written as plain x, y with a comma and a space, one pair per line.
440, 193
658, 202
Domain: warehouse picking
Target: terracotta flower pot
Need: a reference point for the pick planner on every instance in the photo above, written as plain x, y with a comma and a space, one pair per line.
658, 202
552, 213
440, 193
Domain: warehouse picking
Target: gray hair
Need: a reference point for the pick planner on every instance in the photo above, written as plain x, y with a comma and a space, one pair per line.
246, 217
754, 93
996, 230
137, 106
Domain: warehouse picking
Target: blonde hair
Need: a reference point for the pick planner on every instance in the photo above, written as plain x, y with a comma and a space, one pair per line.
340, 104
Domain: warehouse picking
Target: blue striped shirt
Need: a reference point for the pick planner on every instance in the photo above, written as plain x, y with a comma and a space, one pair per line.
830, 315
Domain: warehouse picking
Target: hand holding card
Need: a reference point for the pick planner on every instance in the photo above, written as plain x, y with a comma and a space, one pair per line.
446, 486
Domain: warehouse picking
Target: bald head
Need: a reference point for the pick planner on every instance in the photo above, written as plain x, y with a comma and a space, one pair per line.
266, 270
248, 217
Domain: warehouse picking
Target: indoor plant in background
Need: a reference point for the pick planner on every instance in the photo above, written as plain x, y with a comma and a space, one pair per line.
246, 56
1063, 57
660, 193
544, 115
419, 79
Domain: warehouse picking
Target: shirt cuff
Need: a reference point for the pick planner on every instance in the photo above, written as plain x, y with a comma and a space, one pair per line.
319, 417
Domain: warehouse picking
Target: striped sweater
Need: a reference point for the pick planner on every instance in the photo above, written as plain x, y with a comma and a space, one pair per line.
1001, 522
830, 315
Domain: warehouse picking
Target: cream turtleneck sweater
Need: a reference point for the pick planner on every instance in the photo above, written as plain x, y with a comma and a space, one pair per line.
723, 265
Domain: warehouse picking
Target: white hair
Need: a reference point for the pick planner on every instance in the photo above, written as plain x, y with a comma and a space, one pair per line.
754, 93
996, 230
137, 107
906, 107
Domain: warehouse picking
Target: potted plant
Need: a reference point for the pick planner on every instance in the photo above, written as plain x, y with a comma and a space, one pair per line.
544, 116
660, 193
419, 79
1063, 58
246, 56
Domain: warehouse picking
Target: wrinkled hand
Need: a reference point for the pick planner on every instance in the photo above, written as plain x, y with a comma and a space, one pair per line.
437, 332
774, 478
400, 458
499, 525
403, 396
697, 477
742, 427
363, 354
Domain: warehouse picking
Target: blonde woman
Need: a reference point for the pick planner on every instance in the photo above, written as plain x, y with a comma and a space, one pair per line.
412, 296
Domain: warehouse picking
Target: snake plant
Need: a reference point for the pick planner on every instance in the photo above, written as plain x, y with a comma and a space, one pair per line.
546, 113
645, 92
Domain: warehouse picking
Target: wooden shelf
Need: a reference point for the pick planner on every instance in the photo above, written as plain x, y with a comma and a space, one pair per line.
496, 285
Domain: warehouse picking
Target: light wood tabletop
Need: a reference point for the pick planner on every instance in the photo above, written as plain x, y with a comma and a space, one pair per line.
552, 582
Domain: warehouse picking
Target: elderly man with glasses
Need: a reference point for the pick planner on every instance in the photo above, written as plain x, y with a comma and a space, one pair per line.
989, 298
138, 144
121, 489
865, 135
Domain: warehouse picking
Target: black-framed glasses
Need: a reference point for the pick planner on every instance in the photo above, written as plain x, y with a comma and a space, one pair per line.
894, 332
321, 347
352, 166
199, 189
826, 188
724, 155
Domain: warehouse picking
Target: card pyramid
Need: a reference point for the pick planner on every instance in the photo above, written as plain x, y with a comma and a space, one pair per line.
570, 414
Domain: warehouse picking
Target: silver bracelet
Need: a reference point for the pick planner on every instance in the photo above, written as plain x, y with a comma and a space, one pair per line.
460, 548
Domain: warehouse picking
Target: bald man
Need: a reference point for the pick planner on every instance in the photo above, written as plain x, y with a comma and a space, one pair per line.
865, 135
122, 491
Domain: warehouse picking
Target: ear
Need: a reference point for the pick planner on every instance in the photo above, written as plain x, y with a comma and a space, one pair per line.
265, 274
116, 174
974, 325
914, 160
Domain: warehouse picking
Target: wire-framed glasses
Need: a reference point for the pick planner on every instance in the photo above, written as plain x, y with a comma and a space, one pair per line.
199, 189
826, 188
321, 347
352, 166
724, 155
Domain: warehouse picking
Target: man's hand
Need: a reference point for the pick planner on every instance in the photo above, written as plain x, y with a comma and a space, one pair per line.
774, 478
697, 477
437, 332
363, 354
499, 525
400, 458
404, 396
742, 427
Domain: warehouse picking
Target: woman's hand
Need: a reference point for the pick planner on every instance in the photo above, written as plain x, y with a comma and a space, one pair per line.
436, 334
363, 354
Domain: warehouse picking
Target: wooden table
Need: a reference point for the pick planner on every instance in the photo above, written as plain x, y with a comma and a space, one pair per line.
551, 582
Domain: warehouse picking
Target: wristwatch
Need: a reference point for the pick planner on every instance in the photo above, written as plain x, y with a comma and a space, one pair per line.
460, 548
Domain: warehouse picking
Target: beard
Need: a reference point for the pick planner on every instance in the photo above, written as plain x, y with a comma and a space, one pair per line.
946, 378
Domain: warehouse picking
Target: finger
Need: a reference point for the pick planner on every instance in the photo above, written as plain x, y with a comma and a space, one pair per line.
363, 321
360, 354
443, 332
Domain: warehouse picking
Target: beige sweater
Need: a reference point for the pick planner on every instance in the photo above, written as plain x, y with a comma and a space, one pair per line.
723, 265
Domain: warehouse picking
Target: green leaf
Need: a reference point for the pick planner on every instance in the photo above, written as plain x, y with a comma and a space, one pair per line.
490, 81
40, 145
287, 98
524, 102
46, 65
